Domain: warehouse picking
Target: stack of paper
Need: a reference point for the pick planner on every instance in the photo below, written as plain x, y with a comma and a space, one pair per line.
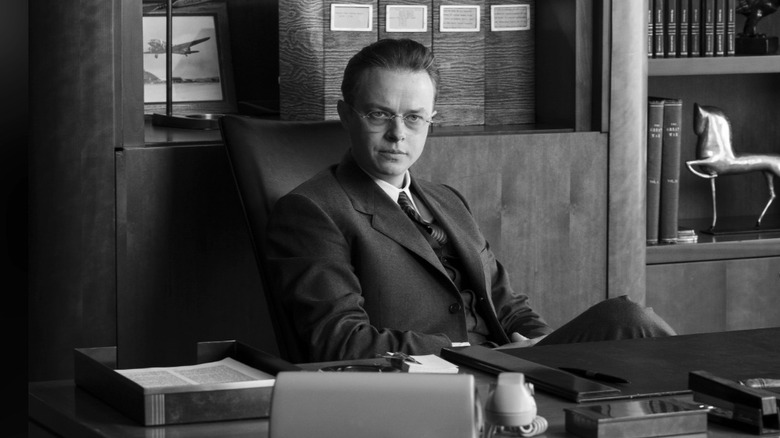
430, 364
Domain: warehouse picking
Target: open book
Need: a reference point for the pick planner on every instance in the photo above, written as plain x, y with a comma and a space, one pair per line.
227, 370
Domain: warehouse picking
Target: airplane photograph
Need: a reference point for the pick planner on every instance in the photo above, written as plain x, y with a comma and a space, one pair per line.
195, 59
158, 47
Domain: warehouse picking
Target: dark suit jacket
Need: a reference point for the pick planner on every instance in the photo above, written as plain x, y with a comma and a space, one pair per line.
358, 278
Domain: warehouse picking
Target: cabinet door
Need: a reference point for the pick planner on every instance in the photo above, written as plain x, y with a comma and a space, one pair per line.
719, 295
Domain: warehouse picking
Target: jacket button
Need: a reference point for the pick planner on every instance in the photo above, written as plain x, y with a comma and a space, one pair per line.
455, 307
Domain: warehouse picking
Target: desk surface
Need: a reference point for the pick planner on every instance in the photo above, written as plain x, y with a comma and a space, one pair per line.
61, 407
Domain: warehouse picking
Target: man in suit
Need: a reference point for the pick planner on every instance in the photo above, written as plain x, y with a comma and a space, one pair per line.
359, 275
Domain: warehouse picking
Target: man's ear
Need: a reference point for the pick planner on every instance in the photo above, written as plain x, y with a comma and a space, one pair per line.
344, 113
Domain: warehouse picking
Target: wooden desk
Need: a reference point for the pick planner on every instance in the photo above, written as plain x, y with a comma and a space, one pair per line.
59, 408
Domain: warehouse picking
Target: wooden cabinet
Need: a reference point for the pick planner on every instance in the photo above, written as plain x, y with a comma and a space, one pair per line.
730, 281
700, 297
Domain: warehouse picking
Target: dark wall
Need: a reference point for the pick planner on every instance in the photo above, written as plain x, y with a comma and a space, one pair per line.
254, 37
13, 186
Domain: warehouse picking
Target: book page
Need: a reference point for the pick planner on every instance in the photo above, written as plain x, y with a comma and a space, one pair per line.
227, 370
430, 363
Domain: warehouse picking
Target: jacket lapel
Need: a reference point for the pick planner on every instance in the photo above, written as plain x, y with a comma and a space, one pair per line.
458, 236
386, 217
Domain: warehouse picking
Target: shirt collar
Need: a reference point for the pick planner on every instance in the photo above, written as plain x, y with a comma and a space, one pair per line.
392, 191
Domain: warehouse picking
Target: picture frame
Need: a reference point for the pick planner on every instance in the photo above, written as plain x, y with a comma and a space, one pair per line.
202, 68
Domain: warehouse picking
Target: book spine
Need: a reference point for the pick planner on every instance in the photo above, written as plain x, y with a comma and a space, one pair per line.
720, 28
731, 28
301, 56
655, 115
670, 171
658, 28
510, 76
650, 50
340, 45
670, 29
708, 28
459, 45
683, 40
694, 37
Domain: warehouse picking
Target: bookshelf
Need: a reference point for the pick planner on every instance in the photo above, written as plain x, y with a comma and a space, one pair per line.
728, 281
713, 66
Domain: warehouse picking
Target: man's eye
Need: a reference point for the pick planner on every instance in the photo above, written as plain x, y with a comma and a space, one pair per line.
413, 118
378, 115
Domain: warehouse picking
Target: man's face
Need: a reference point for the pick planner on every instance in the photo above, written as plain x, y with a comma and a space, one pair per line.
388, 150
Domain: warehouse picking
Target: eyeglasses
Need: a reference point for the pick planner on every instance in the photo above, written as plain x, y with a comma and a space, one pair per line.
378, 118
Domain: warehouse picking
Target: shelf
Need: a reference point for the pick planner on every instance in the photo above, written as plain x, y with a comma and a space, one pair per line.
713, 65
746, 244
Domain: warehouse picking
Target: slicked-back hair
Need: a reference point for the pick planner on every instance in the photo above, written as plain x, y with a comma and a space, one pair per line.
392, 54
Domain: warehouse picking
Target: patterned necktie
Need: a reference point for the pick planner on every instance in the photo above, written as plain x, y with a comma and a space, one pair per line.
434, 230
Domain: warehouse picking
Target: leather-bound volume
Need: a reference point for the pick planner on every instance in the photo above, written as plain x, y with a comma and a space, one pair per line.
671, 31
459, 46
694, 28
683, 28
316, 40
670, 171
658, 28
720, 28
655, 115
707, 28
510, 72
731, 28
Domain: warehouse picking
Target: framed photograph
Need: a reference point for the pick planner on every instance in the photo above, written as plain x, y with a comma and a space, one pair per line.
202, 72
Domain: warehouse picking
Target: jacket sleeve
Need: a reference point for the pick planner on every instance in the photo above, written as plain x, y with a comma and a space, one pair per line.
310, 269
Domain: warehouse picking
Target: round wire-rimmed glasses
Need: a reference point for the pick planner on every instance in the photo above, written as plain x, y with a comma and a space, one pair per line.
380, 119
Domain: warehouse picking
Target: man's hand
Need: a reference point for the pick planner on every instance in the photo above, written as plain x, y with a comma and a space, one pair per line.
519, 341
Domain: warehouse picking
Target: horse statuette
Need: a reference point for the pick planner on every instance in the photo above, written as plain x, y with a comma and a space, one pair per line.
715, 156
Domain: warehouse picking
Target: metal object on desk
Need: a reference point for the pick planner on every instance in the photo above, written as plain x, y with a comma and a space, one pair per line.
752, 409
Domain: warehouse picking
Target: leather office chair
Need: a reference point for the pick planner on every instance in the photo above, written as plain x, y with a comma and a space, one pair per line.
269, 158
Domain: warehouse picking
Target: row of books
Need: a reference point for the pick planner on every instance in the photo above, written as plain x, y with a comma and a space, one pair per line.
664, 120
691, 28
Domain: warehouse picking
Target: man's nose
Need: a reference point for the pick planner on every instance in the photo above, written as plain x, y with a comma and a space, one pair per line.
396, 129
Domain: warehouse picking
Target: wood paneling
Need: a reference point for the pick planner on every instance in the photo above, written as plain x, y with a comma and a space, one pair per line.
186, 268
715, 296
539, 200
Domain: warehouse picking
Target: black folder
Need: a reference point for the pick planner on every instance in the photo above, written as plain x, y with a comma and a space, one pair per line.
544, 378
